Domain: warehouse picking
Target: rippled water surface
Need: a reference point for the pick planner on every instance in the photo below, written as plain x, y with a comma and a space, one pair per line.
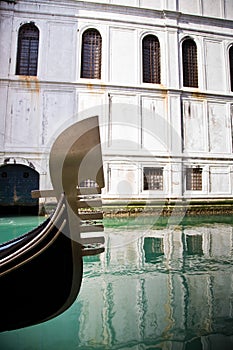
162, 287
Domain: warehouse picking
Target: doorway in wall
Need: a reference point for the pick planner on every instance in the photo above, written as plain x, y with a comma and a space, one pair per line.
16, 183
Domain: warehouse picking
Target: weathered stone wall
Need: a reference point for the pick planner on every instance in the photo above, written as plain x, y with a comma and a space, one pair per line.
142, 125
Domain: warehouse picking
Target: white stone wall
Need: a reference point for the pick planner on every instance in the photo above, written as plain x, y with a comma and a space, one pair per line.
164, 125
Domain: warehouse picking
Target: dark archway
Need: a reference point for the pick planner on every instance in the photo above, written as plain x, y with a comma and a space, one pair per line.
16, 183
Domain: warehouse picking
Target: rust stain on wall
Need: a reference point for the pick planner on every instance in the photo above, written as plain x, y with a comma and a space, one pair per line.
90, 87
31, 83
199, 96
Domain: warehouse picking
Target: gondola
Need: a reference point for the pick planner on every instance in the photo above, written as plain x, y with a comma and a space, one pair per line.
41, 271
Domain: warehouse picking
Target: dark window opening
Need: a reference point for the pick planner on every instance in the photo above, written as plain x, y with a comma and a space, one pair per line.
190, 67
91, 54
231, 66
153, 179
27, 52
4, 174
25, 175
194, 179
151, 59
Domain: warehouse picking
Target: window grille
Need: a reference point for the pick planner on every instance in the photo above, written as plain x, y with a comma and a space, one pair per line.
194, 179
27, 51
153, 179
190, 67
91, 54
231, 66
151, 59
88, 183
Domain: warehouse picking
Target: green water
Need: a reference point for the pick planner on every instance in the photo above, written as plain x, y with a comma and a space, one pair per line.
157, 286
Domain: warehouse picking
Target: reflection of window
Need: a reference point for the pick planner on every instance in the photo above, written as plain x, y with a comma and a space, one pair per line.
153, 248
190, 68
88, 183
27, 52
194, 179
153, 179
91, 54
194, 245
151, 59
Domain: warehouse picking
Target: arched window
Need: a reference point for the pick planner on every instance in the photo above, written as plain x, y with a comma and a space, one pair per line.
151, 59
190, 68
231, 66
27, 52
91, 54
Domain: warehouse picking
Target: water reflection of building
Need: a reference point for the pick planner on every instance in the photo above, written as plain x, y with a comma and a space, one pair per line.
171, 289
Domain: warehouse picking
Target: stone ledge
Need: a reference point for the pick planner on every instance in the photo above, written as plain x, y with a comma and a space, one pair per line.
163, 208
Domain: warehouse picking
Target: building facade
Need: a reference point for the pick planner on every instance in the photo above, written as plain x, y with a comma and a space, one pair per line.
159, 73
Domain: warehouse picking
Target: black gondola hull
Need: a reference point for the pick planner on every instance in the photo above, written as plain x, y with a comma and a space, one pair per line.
42, 281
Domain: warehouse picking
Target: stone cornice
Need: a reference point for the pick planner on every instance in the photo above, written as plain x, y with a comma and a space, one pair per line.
102, 87
72, 9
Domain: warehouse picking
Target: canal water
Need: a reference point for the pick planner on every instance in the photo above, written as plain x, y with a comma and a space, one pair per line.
156, 286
